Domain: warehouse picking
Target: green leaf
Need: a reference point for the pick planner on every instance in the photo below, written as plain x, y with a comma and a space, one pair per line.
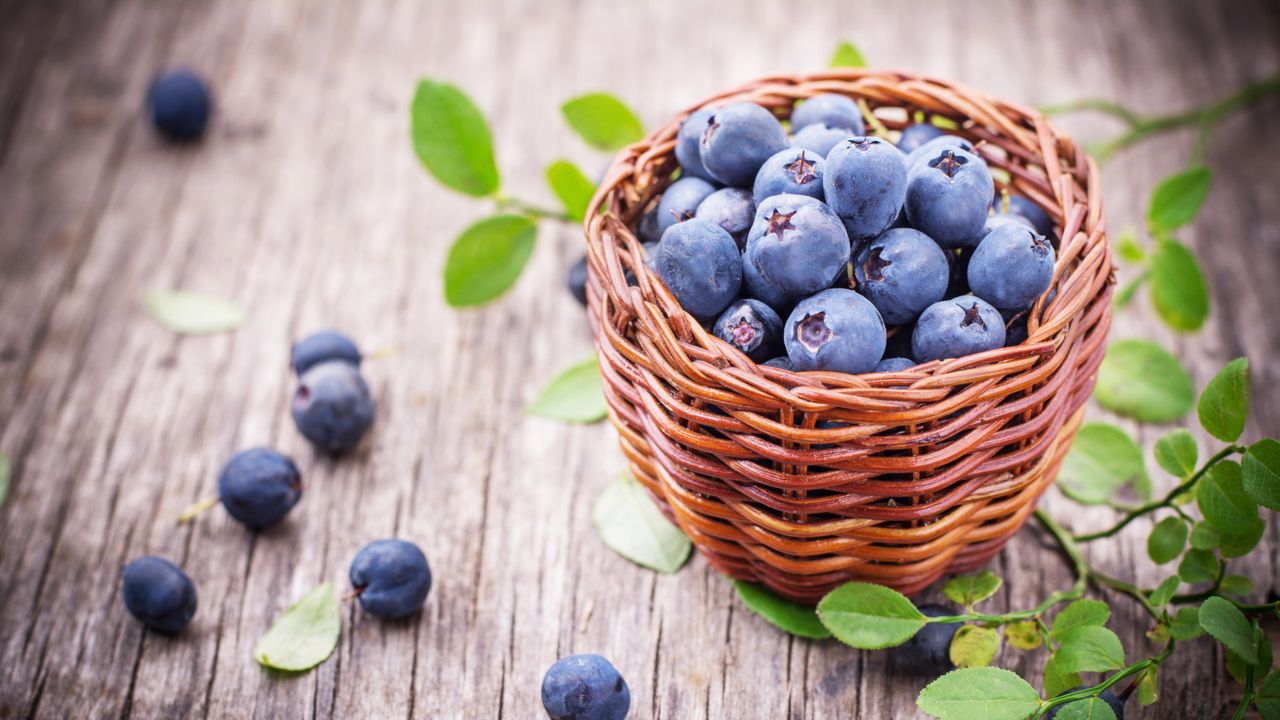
1081, 613
1198, 566
1129, 290
1176, 452
572, 187
1204, 536
1142, 380
6, 469
1149, 685
1091, 648
1267, 697
452, 139
632, 526
1177, 286
576, 395
974, 646
604, 121
1103, 458
972, 589
1167, 540
847, 55
304, 635
1223, 500
1239, 667
1226, 624
190, 313
1261, 472
1127, 246
868, 616
1177, 199
792, 617
979, 694
1224, 404
1239, 544
1164, 591
1024, 635
1186, 624
1057, 680
487, 259
1236, 585
1087, 709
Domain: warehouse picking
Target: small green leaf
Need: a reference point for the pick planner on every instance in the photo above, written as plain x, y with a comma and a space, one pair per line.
452, 139
1091, 648
1198, 566
1267, 696
1229, 626
1186, 624
1081, 613
1177, 286
1236, 585
868, 616
1167, 540
847, 55
572, 187
1103, 459
1087, 709
1223, 500
1177, 199
487, 259
1127, 246
604, 121
792, 617
1149, 686
190, 313
1238, 667
6, 469
1261, 473
632, 526
1164, 591
1224, 404
1142, 380
1057, 680
576, 395
979, 694
1239, 544
972, 589
1176, 452
974, 646
1129, 290
1205, 536
304, 635
1024, 635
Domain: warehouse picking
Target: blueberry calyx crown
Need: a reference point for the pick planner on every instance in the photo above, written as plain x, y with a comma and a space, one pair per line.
780, 222
862, 142
1039, 242
743, 333
874, 264
812, 331
972, 316
948, 162
681, 216
801, 170
712, 126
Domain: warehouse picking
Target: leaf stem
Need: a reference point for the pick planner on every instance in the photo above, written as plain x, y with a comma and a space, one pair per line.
505, 202
1245, 701
1127, 588
1098, 689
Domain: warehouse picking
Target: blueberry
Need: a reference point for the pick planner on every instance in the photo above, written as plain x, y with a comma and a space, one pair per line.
837, 111
894, 364
947, 197
259, 487
332, 406
1015, 327
756, 287
737, 139
700, 264
902, 272
1000, 218
647, 229
1115, 703
937, 145
752, 327
836, 330
955, 328
730, 208
577, 279
865, 181
794, 171
179, 104
1011, 267
797, 243
585, 687
321, 347
928, 652
159, 594
687, 139
917, 134
819, 138
782, 361
391, 578
680, 201
1021, 207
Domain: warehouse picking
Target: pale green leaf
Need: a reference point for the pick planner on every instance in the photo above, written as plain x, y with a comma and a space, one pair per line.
1176, 452
1149, 686
192, 313
304, 635
1090, 648
1142, 380
974, 646
575, 395
847, 55
487, 258
1178, 290
452, 140
1024, 635
1081, 613
1177, 199
1236, 585
979, 694
604, 121
868, 616
1224, 404
971, 589
792, 617
632, 526
571, 186
1057, 680
6, 470
1103, 459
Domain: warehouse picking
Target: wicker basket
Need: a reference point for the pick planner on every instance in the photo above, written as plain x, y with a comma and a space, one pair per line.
928, 471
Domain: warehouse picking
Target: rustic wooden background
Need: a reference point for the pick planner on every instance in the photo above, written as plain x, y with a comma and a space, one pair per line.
306, 205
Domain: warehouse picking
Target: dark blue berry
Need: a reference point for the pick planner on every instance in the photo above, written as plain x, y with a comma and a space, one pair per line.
836, 330
894, 364
794, 171
901, 272
647, 229
935, 146
928, 652
917, 134
687, 140
837, 111
737, 139
998, 219
732, 209
585, 687
752, 327
159, 594
783, 362
797, 244
865, 181
680, 201
947, 197
577, 279
1024, 208
1011, 267
323, 346
332, 406
756, 287
391, 578
700, 264
259, 487
179, 105
819, 138
957, 327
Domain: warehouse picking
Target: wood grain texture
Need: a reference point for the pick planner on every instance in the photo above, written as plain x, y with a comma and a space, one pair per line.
306, 205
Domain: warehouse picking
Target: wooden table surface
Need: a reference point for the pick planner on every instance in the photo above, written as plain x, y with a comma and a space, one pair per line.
306, 205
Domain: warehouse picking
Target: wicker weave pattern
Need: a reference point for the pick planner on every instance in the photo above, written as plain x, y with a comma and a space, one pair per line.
931, 470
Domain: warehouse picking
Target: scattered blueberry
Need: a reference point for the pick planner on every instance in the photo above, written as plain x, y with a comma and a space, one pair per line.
391, 578
1011, 267
783, 362
956, 327
332, 406
947, 197
917, 134
865, 182
577, 279
819, 138
1114, 702
687, 139
752, 327
700, 264
732, 209
837, 111
585, 687
1023, 208
901, 272
797, 243
894, 364
259, 487
836, 330
935, 146
179, 105
321, 347
737, 139
794, 171
159, 594
680, 201
928, 652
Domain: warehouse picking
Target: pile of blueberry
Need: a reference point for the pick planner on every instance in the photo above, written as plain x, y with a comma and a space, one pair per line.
833, 250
